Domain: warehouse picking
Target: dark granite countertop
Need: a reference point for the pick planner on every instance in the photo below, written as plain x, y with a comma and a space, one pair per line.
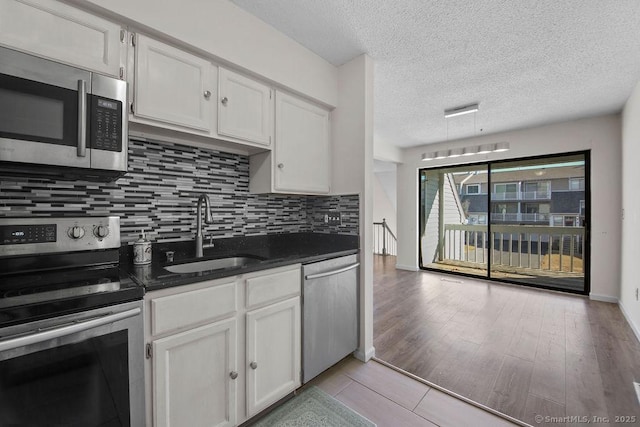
274, 250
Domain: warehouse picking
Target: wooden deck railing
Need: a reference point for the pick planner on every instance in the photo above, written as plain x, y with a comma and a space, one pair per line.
537, 247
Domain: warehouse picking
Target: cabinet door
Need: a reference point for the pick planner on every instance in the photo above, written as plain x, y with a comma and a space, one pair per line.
192, 377
301, 146
273, 353
245, 109
171, 85
62, 33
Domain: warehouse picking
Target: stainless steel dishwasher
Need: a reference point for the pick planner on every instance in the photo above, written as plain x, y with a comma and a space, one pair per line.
329, 313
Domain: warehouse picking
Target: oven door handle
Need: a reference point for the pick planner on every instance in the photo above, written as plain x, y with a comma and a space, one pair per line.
62, 331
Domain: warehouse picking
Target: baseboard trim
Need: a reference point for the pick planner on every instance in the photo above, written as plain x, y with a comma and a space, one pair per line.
634, 328
407, 267
603, 298
365, 356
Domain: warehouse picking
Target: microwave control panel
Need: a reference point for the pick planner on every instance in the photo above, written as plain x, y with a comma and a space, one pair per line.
106, 124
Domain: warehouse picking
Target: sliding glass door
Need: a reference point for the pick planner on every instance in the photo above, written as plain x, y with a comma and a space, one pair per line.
522, 221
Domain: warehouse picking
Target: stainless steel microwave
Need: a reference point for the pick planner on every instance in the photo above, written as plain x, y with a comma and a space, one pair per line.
57, 120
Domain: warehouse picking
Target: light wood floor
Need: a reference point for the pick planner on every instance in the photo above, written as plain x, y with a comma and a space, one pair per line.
391, 399
520, 351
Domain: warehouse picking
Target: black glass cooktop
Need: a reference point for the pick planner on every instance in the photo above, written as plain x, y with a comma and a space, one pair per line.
40, 294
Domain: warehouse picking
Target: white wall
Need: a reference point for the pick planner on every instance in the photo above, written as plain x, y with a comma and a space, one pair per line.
383, 207
227, 32
384, 151
601, 135
631, 205
352, 162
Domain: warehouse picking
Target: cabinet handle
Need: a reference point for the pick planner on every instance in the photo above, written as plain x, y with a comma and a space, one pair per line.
253, 365
224, 100
207, 94
233, 375
280, 165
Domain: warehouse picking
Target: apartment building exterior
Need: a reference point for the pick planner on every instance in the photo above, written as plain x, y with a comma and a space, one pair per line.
552, 197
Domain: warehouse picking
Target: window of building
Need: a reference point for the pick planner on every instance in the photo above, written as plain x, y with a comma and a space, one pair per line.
537, 190
576, 184
557, 220
473, 188
505, 191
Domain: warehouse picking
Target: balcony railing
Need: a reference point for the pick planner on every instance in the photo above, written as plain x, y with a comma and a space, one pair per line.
522, 195
515, 247
520, 217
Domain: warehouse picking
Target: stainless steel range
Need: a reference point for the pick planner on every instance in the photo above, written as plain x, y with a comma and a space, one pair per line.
71, 334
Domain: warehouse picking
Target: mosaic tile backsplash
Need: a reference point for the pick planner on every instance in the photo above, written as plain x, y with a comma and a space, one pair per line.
160, 191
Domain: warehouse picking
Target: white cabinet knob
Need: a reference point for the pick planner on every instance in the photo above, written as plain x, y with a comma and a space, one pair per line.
207, 94
224, 100
280, 165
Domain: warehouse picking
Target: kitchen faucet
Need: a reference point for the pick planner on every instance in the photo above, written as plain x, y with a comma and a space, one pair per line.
208, 219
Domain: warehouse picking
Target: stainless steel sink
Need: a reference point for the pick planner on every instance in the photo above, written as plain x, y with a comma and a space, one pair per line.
211, 264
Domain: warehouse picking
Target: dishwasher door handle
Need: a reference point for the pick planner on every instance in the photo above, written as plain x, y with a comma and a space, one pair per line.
332, 272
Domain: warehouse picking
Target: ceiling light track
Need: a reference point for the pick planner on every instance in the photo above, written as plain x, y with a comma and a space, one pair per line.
466, 151
458, 111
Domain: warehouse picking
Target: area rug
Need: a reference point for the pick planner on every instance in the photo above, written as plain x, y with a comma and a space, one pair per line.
313, 408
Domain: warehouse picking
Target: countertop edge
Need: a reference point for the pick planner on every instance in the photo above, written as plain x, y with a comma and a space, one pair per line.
174, 280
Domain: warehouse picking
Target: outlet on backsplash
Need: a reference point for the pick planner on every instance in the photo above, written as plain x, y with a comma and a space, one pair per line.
333, 218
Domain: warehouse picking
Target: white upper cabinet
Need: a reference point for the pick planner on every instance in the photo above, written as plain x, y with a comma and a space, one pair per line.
299, 161
301, 147
244, 108
56, 31
171, 85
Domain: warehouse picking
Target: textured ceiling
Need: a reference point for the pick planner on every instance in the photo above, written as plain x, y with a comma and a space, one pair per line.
526, 62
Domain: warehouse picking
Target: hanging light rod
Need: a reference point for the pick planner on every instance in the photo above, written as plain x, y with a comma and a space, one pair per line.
467, 151
458, 111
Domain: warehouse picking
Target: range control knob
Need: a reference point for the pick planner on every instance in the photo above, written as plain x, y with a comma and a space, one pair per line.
101, 231
76, 232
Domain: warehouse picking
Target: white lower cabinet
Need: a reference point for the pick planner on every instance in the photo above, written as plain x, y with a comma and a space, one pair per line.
195, 376
221, 351
273, 353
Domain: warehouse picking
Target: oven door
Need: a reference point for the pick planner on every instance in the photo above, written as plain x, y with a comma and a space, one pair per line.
85, 369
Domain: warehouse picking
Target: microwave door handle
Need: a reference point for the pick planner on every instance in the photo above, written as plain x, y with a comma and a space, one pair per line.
82, 118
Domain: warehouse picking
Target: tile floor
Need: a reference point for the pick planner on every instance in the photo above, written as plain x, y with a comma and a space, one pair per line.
390, 398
